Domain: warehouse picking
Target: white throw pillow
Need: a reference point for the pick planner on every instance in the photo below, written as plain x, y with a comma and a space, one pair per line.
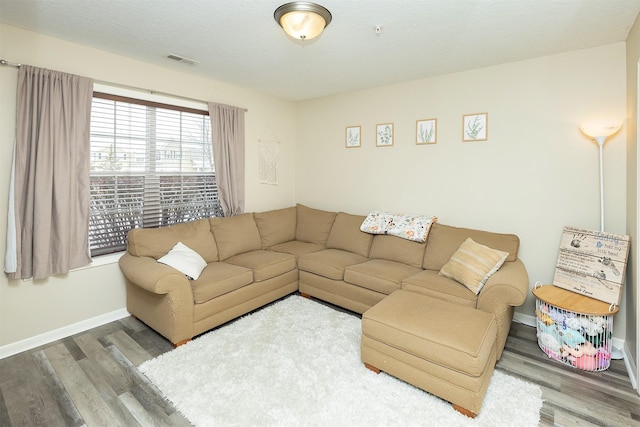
472, 264
185, 260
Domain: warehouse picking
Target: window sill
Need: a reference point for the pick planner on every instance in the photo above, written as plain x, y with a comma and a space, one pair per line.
101, 260
95, 262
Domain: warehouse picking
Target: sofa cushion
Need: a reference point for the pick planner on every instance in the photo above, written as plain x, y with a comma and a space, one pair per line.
444, 240
219, 278
394, 248
235, 235
346, 235
472, 264
265, 264
297, 248
276, 226
462, 340
313, 225
157, 242
430, 282
379, 275
185, 260
329, 263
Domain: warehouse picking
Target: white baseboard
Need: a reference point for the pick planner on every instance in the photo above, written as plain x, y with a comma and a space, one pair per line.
631, 368
525, 319
65, 331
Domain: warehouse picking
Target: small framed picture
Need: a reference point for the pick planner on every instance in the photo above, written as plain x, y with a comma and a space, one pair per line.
426, 131
475, 127
384, 135
352, 137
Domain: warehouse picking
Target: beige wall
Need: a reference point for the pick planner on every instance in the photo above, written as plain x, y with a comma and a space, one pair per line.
535, 174
633, 101
27, 308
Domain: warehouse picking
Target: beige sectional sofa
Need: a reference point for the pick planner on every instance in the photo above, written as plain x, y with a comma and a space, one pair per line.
255, 258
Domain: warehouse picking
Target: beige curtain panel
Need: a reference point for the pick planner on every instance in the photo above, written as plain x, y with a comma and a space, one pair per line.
228, 135
48, 226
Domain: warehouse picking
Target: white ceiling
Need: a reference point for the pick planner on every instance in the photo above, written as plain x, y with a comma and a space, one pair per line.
239, 42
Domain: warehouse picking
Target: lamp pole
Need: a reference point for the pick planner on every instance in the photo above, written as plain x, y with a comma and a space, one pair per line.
599, 131
600, 140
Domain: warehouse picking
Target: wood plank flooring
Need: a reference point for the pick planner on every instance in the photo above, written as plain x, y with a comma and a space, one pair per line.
571, 397
90, 379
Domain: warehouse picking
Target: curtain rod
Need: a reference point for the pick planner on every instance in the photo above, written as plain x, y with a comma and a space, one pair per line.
9, 64
153, 92
6, 63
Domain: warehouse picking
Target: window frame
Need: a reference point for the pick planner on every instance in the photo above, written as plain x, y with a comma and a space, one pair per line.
163, 102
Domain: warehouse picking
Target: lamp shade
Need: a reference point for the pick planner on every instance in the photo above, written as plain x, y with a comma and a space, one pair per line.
302, 20
603, 128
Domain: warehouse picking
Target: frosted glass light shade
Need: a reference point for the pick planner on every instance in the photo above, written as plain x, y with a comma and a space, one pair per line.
601, 128
302, 25
302, 20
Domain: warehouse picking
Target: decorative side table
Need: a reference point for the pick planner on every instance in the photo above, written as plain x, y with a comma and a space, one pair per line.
574, 329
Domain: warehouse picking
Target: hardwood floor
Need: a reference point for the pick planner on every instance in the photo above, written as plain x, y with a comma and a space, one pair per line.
571, 397
91, 379
88, 379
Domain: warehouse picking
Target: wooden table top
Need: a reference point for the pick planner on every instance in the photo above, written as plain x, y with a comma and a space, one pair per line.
572, 301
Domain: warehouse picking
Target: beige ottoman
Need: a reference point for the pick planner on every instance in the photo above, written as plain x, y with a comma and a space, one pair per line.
443, 348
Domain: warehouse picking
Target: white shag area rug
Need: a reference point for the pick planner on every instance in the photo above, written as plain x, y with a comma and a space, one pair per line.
297, 363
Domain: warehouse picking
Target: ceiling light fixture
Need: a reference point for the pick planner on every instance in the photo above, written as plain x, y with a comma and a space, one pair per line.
302, 20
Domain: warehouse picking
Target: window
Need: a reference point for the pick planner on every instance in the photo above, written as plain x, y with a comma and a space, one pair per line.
151, 166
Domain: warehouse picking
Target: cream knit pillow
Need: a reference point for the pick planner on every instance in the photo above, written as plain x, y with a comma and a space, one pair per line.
472, 264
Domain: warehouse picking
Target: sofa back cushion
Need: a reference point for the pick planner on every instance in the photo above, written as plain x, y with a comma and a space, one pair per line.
313, 225
397, 249
444, 241
346, 235
276, 226
157, 242
235, 235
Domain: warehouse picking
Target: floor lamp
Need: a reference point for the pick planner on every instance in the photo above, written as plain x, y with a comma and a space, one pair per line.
600, 131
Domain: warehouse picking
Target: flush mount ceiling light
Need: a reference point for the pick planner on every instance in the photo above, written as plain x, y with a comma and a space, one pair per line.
302, 20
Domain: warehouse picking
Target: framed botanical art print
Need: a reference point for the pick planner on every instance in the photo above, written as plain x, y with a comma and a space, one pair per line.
475, 127
384, 135
426, 131
353, 137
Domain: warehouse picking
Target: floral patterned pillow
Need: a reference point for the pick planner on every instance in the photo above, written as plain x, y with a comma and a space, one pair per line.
411, 227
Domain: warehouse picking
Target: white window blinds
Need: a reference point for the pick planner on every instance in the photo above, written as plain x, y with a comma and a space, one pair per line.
151, 166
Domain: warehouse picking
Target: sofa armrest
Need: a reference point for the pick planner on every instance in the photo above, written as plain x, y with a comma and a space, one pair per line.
506, 289
152, 276
160, 296
508, 286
